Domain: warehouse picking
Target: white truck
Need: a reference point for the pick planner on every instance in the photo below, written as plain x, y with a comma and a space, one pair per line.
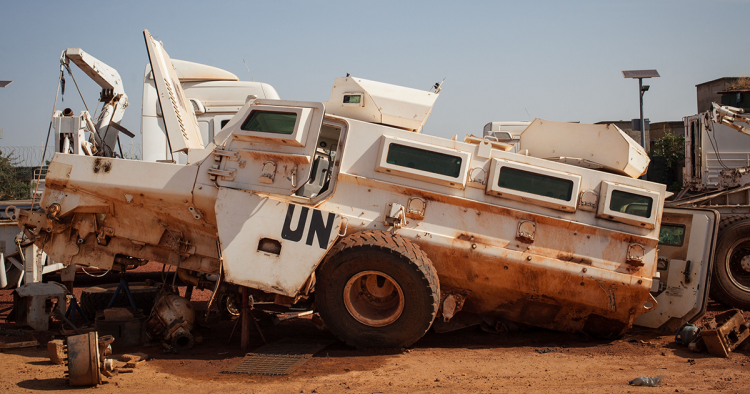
717, 176
345, 207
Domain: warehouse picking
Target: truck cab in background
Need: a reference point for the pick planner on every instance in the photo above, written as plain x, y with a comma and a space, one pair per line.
215, 94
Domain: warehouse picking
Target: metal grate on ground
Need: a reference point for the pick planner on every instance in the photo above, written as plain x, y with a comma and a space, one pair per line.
279, 358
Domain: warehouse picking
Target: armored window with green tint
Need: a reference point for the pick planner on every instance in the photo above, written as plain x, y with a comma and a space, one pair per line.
631, 203
424, 160
271, 122
672, 234
531, 182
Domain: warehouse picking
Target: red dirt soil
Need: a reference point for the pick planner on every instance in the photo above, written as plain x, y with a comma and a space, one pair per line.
468, 360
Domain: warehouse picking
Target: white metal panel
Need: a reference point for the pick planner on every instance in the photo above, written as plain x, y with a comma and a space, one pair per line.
179, 117
383, 103
722, 146
304, 233
556, 140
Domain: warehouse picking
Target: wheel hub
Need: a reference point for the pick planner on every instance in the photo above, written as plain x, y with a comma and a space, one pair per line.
738, 264
745, 263
373, 298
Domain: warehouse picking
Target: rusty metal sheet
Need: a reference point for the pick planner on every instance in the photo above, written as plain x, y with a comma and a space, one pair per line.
729, 334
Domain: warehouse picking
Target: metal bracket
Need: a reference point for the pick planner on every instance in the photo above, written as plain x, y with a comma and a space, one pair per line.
395, 216
526, 231
345, 226
268, 172
635, 255
416, 208
478, 175
215, 173
588, 200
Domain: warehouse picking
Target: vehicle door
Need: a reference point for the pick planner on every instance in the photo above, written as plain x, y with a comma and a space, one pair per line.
687, 240
272, 237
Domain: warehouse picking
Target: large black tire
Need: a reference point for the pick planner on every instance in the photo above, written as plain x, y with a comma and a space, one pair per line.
96, 298
730, 281
377, 290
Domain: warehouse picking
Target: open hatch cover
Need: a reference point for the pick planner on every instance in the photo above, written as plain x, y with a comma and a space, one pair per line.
179, 118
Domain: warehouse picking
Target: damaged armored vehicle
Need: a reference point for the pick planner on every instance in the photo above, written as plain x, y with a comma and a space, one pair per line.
346, 207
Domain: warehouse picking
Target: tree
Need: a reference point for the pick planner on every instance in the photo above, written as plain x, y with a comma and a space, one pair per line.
14, 180
668, 151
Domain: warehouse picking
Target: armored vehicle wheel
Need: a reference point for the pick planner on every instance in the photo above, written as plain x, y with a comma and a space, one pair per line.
730, 282
230, 305
96, 298
377, 290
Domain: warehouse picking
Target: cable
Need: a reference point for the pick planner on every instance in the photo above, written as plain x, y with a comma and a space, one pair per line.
67, 66
712, 130
49, 130
92, 275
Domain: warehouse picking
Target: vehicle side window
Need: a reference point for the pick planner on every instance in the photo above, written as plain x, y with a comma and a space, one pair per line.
672, 234
270, 122
424, 160
224, 122
631, 203
530, 182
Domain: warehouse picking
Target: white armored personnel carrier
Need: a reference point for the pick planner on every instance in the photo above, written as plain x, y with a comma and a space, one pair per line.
346, 207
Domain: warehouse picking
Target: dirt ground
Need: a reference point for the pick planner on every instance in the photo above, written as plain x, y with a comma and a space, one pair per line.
470, 360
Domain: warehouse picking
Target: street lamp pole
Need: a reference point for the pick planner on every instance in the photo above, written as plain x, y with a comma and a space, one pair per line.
640, 75
643, 126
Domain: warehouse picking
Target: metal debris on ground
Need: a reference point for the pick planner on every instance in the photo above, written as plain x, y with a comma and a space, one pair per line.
86, 358
279, 358
730, 332
172, 320
647, 381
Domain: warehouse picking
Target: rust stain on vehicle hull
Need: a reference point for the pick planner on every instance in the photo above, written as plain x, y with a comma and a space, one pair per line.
538, 295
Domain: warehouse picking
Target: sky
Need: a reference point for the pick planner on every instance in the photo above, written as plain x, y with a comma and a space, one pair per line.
501, 60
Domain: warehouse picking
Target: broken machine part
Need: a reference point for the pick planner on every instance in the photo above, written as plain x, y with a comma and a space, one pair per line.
86, 358
730, 332
172, 320
35, 303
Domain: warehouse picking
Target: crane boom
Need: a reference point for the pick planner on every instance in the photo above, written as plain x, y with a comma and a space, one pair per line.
105, 76
105, 130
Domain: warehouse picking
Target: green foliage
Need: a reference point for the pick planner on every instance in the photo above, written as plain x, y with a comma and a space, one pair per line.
14, 180
670, 147
667, 154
